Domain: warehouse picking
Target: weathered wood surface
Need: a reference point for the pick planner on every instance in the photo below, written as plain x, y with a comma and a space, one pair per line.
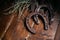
18, 31
57, 36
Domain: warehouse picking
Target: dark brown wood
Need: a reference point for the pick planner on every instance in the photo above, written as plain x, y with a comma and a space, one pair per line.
17, 29
57, 36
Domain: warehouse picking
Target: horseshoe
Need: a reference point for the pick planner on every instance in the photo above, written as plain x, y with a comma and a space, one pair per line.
35, 15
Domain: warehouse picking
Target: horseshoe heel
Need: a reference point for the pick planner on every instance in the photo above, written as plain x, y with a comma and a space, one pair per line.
36, 19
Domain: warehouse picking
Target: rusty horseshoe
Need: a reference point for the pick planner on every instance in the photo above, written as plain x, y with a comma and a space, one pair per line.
35, 15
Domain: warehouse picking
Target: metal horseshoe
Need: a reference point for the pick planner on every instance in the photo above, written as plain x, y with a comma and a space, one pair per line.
35, 17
